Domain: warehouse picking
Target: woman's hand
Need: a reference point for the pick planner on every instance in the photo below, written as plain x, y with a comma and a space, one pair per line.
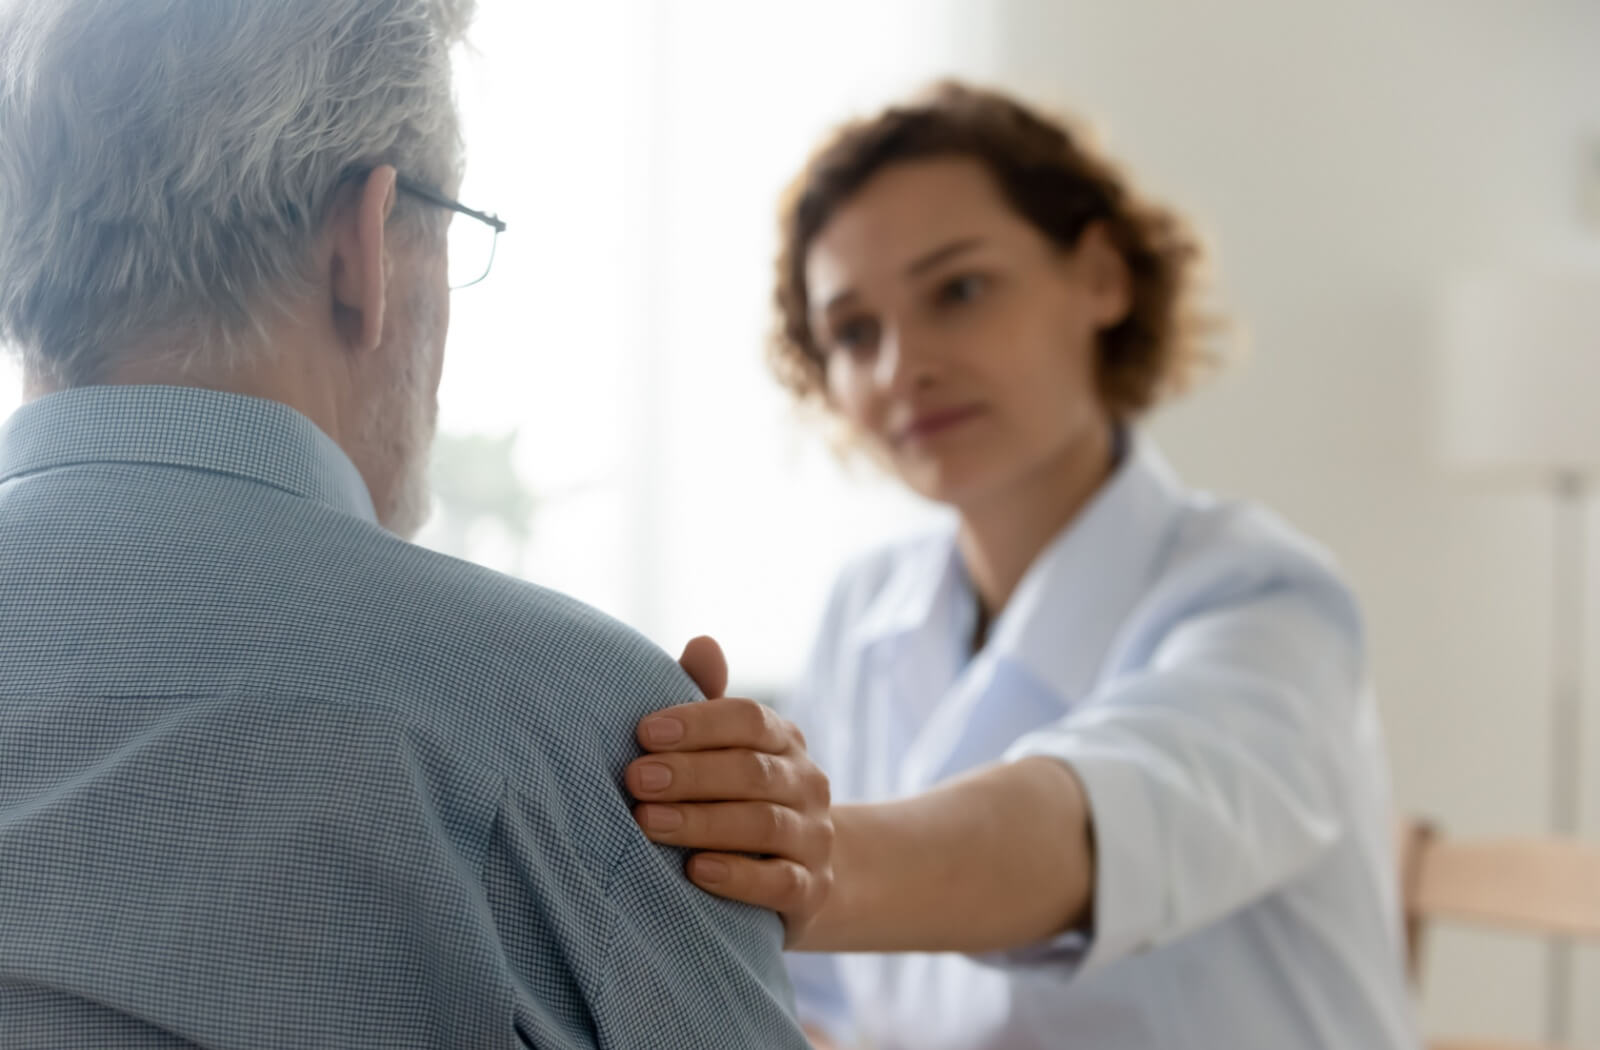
730, 778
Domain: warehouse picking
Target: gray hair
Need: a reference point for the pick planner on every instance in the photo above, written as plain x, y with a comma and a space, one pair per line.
167, 164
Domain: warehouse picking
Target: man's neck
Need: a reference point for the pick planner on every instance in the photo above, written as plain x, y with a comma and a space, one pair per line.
296, 371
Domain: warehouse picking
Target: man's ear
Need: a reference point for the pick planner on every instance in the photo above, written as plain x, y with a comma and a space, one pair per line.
358, 233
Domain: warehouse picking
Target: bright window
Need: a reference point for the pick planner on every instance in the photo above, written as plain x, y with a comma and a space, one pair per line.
638, 150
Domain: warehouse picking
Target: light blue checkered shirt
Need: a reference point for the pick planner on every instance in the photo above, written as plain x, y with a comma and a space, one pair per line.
270, 776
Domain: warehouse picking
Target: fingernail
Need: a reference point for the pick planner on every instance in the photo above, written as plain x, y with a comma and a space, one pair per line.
661, 818
653, 776
663, 731
708, 870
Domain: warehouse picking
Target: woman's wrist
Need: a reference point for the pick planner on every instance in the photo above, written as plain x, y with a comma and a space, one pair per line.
997, 860
848, 905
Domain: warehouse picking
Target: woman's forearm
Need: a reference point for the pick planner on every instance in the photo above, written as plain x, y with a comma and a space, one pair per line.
999, 859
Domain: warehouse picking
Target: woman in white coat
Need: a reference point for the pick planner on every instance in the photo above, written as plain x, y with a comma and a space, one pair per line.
1105, 767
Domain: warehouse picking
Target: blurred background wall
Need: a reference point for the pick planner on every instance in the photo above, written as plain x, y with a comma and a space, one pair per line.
1348, 161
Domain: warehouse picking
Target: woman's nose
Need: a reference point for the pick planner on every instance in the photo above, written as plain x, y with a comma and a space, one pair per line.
904, 361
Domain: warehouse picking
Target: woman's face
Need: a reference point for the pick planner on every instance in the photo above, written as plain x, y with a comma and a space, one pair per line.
957, 339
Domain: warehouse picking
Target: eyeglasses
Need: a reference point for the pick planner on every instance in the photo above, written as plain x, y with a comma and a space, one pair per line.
471, 244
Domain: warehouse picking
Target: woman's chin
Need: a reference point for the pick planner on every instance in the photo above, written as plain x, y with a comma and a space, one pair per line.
948, 480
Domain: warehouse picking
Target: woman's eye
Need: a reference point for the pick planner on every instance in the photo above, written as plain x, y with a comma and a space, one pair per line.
856, 336
963, 289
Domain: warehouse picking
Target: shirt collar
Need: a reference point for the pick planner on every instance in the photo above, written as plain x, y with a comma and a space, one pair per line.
927, 578
1065, 613
1064, 617
259, 440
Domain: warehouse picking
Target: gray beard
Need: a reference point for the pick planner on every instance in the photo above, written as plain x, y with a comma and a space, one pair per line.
411, 501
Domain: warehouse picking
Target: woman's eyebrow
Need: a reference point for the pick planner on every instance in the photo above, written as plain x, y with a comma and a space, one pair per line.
942, 254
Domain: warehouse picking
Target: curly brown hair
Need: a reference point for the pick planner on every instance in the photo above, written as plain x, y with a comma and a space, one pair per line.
1056, 182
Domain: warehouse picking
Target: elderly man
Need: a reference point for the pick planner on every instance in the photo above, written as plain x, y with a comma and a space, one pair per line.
269, 774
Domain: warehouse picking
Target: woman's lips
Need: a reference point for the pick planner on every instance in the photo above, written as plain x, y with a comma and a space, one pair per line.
930, 424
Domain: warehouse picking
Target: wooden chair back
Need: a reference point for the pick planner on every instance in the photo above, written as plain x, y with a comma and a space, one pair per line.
1544, 887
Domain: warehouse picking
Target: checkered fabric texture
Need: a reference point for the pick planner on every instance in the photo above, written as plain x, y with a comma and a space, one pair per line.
272, 777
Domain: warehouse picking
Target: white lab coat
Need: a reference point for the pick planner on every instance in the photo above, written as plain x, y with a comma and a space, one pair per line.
1202, 668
